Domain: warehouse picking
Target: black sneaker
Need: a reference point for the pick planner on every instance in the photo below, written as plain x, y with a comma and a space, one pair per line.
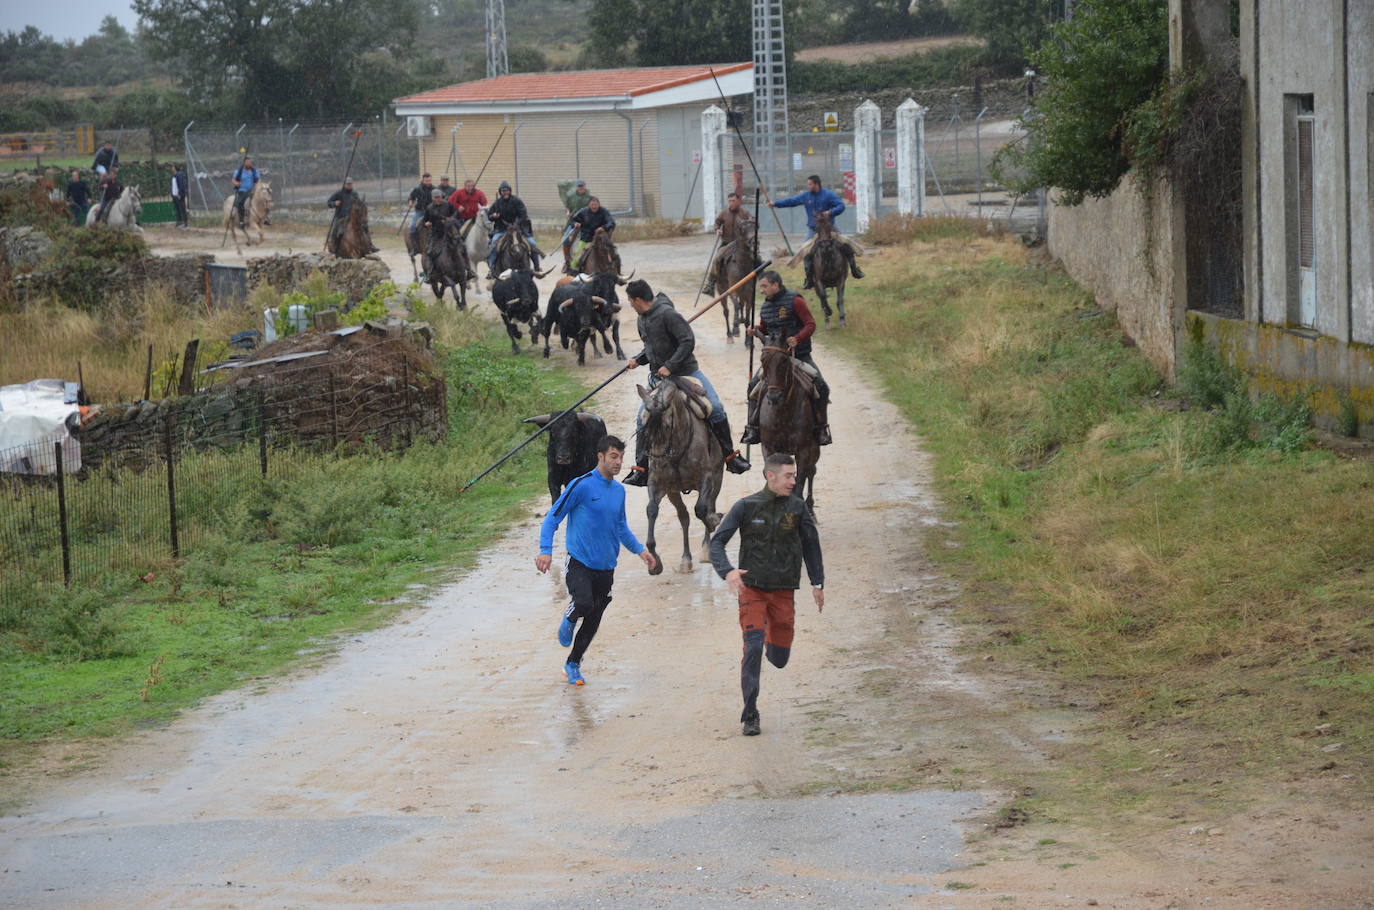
736, 464
750, 437
638, 477
751, 725
809, 285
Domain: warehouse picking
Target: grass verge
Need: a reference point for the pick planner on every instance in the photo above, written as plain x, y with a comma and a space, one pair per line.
327, 545
1201, 574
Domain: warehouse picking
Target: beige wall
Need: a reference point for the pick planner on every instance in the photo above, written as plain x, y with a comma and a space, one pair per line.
547, 152
1122, 250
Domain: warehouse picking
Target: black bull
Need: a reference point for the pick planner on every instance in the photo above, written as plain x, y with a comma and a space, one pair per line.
582, 310
572, 446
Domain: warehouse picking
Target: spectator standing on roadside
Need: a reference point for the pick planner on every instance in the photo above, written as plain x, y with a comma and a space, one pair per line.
180, 187
78, 198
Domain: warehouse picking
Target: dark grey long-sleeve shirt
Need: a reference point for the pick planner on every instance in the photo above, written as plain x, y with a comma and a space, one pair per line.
768, 566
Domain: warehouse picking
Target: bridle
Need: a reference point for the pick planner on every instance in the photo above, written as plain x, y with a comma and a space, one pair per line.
676, 440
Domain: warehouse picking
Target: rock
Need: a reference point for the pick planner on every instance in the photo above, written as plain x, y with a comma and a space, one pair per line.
1198, 829
25, 247
1334, 747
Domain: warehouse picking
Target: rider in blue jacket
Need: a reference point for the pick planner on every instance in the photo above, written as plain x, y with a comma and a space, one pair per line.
816, 199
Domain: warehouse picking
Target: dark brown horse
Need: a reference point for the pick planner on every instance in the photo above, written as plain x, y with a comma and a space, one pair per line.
601, 256
829, 268
736, 261
417, 244
683, 456
786, 420
448, 264
353, 240
513, 252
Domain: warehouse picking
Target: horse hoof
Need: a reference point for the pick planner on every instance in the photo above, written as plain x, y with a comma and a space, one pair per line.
684, 567
842, 322
658, 565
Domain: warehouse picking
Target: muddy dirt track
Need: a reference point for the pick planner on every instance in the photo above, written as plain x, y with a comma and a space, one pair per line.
443, 762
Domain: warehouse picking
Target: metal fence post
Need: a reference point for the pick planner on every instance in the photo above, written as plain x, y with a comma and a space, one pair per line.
62, 516
978, 147
171, 485
262, 433
333, 413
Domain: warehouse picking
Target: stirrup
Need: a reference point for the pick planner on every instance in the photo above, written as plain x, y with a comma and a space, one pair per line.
750, 437
638, 477
736, 463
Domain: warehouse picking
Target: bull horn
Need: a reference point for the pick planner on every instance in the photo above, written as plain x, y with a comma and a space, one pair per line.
586, 415
565, 304
625, 280
538, 421
547, 272
600, 301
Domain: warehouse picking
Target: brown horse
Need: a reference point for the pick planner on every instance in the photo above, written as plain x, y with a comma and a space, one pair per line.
353, 240
683, 456
417, 244
829, 268
513, 252
448, 264
736, 261
786, 420
601, 257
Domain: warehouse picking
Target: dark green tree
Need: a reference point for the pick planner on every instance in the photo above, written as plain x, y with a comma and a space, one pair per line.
653, 33
1011, 28
1099, 68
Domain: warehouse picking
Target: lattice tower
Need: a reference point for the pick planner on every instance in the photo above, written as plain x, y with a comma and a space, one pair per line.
770, 94
497, 63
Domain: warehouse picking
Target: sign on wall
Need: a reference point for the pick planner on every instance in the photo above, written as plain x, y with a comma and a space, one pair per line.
832, 122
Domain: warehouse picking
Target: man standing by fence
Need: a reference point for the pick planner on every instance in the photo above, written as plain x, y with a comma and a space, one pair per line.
594, 505
180, 187
777, 533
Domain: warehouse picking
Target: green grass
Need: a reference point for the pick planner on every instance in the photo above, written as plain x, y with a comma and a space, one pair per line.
81, 163
273, 569
1201, 573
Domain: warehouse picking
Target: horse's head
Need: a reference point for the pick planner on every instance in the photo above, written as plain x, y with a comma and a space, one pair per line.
135, 200
775, 367
745, 232
824, 224
263, 191
657, 401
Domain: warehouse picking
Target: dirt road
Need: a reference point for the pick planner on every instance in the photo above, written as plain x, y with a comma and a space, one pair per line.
443, 761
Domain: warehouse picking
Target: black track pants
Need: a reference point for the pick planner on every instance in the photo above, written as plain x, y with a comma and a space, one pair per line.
589, 591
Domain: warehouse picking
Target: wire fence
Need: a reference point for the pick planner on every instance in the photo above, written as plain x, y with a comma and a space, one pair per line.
147, 483
305, 162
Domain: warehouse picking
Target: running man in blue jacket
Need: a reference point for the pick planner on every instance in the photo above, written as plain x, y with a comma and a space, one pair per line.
594, 505
816, 199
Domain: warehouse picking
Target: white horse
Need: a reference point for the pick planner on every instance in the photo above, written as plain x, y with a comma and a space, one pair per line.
123, 213
478, 243
255, 209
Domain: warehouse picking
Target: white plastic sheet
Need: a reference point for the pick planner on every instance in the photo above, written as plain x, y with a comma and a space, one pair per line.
33, 416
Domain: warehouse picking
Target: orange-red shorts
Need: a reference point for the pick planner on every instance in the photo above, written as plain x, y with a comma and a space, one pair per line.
773, 611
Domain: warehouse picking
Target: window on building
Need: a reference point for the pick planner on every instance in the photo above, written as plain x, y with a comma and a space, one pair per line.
1301, 180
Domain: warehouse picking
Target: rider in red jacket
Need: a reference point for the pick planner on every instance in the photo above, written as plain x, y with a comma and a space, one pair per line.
468, 201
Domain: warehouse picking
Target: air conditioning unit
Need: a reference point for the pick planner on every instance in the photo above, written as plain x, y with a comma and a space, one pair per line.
419, 127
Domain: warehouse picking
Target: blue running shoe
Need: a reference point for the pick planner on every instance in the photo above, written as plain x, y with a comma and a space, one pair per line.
574, 674
565, 632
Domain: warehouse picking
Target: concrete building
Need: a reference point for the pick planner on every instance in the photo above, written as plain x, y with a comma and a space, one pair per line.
1305, 317
634, 134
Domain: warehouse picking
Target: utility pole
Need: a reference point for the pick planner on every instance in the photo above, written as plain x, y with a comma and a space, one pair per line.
497, 62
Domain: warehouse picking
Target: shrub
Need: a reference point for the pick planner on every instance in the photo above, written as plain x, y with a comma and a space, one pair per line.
1205, 378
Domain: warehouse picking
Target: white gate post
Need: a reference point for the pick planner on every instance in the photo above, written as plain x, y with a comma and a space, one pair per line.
867, 120
712, 128
911, 164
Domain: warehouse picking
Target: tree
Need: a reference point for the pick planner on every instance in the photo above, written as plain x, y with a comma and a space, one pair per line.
1011, 28
1099, 68
664, 34
279, 57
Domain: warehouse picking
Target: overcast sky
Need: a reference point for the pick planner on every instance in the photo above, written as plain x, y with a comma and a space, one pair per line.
64, 19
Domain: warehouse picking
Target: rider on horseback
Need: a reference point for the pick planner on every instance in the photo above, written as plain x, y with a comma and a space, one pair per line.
468, 201
508, 213
418, 201
784, 313
575, 197
727, 221
586, 221
436, 217
245, 178
668, 346
110, 190
342, 203
816, 199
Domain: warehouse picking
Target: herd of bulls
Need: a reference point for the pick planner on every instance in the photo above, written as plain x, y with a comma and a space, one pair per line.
580, 308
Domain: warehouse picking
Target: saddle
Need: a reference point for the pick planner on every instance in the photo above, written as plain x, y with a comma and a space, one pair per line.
697, 401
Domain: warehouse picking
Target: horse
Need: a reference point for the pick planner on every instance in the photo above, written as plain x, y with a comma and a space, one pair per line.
124, 211
255, 209
829, 268
449, 266
353, 240
737, 261
417, 244
477, 237
786, 420
600, 257
683, 456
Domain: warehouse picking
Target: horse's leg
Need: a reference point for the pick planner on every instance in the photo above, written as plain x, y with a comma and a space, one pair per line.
705, 510
685, 519
651, 512
825, 301
725, 311
839, 298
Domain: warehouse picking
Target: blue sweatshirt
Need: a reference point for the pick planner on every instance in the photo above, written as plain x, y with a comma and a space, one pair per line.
823, 200
595, 508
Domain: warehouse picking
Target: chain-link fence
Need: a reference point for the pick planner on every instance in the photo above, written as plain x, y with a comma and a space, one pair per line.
305, 162
149, 483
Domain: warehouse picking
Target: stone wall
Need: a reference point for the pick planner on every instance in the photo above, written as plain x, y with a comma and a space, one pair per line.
353, 278
1122, 249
